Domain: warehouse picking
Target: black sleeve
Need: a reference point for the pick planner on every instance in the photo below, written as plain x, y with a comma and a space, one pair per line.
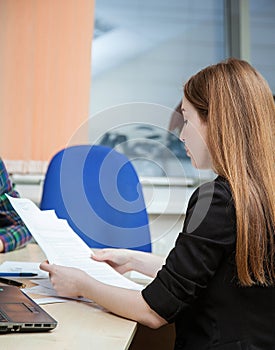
208, 233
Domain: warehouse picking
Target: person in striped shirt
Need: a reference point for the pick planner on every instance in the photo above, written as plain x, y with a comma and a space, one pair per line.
13, 232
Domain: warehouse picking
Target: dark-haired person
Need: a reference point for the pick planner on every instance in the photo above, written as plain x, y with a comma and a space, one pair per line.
176, 121
218, 282
13, 232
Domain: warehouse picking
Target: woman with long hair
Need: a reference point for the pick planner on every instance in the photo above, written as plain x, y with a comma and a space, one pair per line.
218, 282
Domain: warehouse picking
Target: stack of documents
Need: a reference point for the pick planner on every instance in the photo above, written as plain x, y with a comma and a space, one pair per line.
63, 246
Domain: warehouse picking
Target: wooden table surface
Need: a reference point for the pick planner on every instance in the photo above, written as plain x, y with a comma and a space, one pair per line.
80, 325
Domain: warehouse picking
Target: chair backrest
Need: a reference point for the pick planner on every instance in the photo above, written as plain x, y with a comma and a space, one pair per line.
96, 189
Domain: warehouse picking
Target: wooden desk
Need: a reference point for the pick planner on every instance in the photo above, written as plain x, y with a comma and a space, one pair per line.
80, 325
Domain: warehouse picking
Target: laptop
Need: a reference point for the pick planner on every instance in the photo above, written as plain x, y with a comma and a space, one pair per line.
19, 313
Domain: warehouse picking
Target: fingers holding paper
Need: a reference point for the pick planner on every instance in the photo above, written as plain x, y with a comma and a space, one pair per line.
119, 259
124, 260
67, 281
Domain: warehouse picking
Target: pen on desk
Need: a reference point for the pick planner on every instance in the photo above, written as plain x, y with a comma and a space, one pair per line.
17, 274
12, 283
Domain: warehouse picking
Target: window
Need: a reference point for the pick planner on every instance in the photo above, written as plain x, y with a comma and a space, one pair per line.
142, 53
262, 28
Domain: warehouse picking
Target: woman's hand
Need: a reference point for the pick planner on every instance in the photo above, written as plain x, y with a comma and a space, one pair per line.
119, 259
124, 260
71, 282
67, 281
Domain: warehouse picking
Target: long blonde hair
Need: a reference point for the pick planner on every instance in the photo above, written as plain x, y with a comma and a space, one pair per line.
237, 104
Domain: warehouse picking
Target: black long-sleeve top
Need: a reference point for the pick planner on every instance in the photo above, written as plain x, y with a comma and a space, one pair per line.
198, 289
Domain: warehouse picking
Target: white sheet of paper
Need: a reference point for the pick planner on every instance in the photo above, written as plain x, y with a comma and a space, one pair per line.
44, 287
51, 295
42, 301
40, 290
23, 266
63, 246
45, 284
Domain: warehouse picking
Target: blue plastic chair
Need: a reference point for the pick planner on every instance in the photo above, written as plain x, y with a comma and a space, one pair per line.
96, 189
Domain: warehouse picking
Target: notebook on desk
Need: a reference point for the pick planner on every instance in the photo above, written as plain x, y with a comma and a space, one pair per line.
19, 313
